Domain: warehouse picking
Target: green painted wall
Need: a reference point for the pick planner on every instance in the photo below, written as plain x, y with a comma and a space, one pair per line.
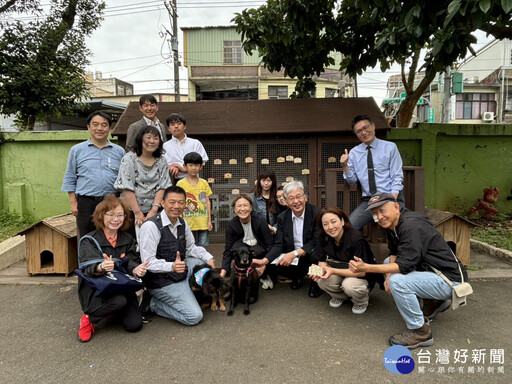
459, 162
207, 46
32, 166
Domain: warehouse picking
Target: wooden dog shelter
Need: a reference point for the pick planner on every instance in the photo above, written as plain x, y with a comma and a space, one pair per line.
299, 139
51, 246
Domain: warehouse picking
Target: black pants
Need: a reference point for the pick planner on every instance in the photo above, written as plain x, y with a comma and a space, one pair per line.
86, 207
291, 272
124, 306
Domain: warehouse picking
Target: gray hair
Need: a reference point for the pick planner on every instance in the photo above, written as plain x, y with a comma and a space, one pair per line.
292, 186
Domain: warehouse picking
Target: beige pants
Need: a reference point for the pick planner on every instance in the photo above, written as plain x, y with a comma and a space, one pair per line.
339, 287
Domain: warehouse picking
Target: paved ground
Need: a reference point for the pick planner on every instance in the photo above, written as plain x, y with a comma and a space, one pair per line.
287, 338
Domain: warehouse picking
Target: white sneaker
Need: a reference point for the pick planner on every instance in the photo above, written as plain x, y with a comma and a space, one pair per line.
359, 309
267, 283
335, 303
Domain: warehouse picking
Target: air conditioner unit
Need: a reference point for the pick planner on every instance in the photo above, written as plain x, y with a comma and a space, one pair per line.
488, 117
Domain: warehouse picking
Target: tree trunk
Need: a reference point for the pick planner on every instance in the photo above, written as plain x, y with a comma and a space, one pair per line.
31, 121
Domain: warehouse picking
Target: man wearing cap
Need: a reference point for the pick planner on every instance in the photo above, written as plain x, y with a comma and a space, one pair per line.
415, 246
376, 164
180, 145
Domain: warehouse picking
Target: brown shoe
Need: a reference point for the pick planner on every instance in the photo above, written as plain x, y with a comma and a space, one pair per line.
414, 338
431, 307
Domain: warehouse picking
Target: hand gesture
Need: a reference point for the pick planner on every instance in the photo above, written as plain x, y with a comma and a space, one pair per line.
344, 158
141, 269
357, 265
108, 263
179, 265
287, 259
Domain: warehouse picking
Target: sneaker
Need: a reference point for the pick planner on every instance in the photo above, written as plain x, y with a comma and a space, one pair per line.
431, 307
266, 282
86, 329
335, 303
414, 338
359, 309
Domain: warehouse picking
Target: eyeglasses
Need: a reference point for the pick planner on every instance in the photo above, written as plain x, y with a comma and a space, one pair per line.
112, 215
281, 197
366, 128
291, 199
177, 202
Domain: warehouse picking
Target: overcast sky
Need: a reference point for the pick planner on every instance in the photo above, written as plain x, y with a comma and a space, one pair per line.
131, 43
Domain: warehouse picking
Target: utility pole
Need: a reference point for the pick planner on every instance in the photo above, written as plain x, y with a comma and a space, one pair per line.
173, 13
447, 95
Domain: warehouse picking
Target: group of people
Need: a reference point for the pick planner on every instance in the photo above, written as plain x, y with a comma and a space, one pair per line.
286, 233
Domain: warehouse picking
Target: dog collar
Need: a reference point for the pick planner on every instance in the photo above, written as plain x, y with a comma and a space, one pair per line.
199, 276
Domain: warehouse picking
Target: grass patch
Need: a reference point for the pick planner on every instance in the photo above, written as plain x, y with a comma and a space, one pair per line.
11, 224
474, 267
500, 237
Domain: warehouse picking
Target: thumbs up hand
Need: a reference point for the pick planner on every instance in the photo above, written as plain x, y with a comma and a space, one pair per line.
108, 264
344, 158
178, 266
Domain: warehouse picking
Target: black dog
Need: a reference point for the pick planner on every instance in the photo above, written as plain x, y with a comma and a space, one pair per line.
209, 287
245, 282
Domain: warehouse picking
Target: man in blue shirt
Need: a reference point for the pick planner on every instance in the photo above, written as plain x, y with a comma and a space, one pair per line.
387, 171
91, 171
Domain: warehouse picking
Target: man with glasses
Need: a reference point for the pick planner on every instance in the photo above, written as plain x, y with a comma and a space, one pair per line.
91, 171
376, 164
296, 238
168, 243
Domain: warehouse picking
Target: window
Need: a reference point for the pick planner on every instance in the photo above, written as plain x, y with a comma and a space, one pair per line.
330, 92
232, 52
471, 106
277, 92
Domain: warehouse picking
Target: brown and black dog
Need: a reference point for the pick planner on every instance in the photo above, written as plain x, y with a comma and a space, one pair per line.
244, 280
209, 287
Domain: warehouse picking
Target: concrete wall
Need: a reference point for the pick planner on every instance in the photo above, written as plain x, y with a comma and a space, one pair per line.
32, 166
459, 162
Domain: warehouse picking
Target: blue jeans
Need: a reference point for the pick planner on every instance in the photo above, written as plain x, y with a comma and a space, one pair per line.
406, 289
177, 301
203, 238
359, 218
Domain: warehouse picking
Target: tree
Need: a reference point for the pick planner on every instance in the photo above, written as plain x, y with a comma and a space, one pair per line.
300, 35
42, 65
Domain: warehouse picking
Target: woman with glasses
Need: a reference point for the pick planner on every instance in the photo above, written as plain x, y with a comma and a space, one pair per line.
111, 218
338, 243
143, 175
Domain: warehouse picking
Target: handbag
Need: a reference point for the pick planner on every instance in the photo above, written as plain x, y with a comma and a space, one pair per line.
111, 283
461, 291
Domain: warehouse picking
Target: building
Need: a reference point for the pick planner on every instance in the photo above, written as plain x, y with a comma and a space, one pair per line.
484, 97
218, 68
100, 87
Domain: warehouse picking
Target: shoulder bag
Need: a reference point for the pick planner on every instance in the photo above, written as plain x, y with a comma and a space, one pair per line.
111, 283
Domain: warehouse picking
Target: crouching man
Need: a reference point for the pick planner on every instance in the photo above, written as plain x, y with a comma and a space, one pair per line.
167, 242
415, 245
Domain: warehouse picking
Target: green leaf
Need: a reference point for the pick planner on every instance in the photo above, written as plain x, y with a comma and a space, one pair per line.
453, 6
506, 5
484, 5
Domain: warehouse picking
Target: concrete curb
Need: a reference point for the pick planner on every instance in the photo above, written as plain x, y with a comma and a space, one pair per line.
499, 253
12, 251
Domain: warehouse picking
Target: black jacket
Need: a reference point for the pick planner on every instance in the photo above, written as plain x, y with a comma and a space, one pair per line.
416, 243
352, 244
235, 233
88, 251
284, 237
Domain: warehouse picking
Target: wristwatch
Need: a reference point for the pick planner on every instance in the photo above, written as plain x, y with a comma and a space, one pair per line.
296, 254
